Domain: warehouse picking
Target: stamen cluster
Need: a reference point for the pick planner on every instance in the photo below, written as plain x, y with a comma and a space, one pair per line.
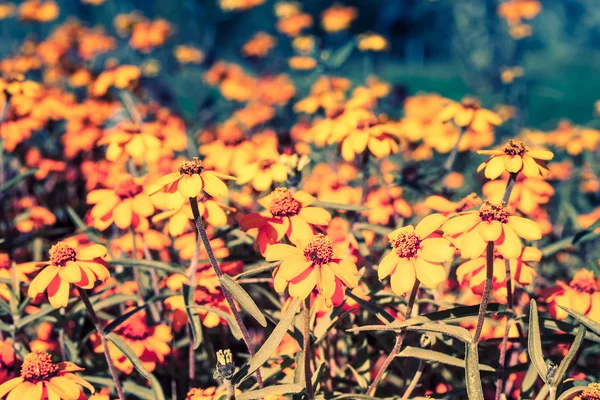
61, 253
38, 366
515, 148
319, 250
191, 167
406, 244
493, 212
283, 203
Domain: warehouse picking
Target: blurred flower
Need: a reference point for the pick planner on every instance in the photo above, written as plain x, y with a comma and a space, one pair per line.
34, 217
302, 62
582, 295
312, 263
513, 11
263, 173
259, 46
447, 207
7, 360
372, 42
147, 35
67, 266
527, 194
509, 74
42, 379
7, 10
417, 253
469, 113
384, 203
239, 5
338, 18
38, 10
121, 77
514, 157
188, 54
179, 219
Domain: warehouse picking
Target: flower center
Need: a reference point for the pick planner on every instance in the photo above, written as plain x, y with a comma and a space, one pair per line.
283, 203
319, 250
38, 366
60, 254
265, 164
135, 329
406, 244
515, 148
592, 392
493, 212
127, 188
194, 166
584, 282
470, 102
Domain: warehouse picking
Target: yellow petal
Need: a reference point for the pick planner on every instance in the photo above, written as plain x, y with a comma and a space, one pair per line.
430, 274
70, 272
190, 186
279, 251
303, 288
91, 252
346, 270
461, 223
429, 224
513, 164
526, 228
213, 185
495, 167
403, 277
509, 244
387, 264
490, 231
436, 250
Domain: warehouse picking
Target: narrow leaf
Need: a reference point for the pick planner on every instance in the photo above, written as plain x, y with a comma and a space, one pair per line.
233, 326
566, 362
472, 375
535, 342
193, 318
274, 390
148, 264
129, 353
572, 393
258, 270
12, 182
588, 322
436, 356
243, 298
340, 206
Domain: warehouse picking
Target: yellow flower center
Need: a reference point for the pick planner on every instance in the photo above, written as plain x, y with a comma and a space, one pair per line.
135, 329
38, 366
584, 282
592, 392
194, 166
515, 148
60, 254
127, 188
493, 212
406, 244
265, 164
470, 102
283, 203
319, 250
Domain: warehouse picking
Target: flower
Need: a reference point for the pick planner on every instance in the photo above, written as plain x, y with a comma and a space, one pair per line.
372, 42
287, 214
178, 220
188, 54
149, 343
41, 379
263, 173
338, 18
126, 204
470, 231
527, 194
515, 157
384, 204
69, 266
211, 393
582, 295
259, 46
7, 360
469, 113
472, 271
189, 180
312, 263
417, 253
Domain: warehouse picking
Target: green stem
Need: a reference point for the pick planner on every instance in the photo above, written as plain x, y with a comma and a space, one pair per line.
213, 262
415, 381
512, 179
454, 152
485, 299
398, 344
98, 326
306, 348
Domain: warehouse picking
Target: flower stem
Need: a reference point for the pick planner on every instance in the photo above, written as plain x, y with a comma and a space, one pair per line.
414, 382
452, 156
98, 326
213, 262
509, 187
485, 299
398, 344
306, 349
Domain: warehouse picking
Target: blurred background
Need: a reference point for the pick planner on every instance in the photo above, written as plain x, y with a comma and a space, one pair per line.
453, 47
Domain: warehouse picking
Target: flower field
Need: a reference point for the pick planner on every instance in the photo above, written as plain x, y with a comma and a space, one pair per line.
251, 199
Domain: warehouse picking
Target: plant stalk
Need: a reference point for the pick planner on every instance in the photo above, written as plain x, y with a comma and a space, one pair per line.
485, 299
306, 348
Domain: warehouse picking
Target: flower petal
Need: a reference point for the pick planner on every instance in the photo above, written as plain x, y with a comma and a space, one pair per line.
526, 228
430, 274
429, 224
436, 250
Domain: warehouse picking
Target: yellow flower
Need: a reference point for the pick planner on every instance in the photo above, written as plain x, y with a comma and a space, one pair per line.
81, 268
189, 180
514, 157
470, 231
469, 113
312, 263
41, 379
417, 253
372, 42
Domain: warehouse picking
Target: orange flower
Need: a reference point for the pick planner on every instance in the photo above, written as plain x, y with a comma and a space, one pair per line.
259, 46
211, 393
41, 379
149, 343
516, 10
302, 63
370, 134
34, 218
22, 270
147, 35
287, 214
469, 113
372, 42
189, 180
338, 18
312, 263
417, 253
127, 205
121, 77
179, 219
515, 157
188, 55
68, 266
527, 194
384, 204
582, 294
447, 207
263, 173
38, 10
472, 272
470, 231
7, 360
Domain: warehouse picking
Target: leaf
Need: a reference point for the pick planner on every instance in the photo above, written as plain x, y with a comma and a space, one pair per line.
332, 325
379, 312
193, 318
361, 380
381, 230
571, 393
12, 182
257, 270
341, 55
122, 318
106, 303
589, 323
317, 375
273, 390
270, 344
243, 298
44, 310
535, 343
148, 264
78, 222
340, 206
472, 375
128, 387
157, 388
454, 331
129, 353
235, 329
561, 371
436, 356
586, 234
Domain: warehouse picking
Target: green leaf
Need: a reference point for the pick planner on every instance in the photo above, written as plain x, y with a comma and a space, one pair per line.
44, 310
105, 303
270, 344
361, 380
436, 356
379, 312
273, 390
566, 362
317, 375
535, 342
340, 56
193, 318
340, 206
571, 393
243, 298
156, 388
472, 375
12, 182
122, 318
258, 270
129, 353
332, 325
589, 323
233, 326
148, 264
454, 331
586, 234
